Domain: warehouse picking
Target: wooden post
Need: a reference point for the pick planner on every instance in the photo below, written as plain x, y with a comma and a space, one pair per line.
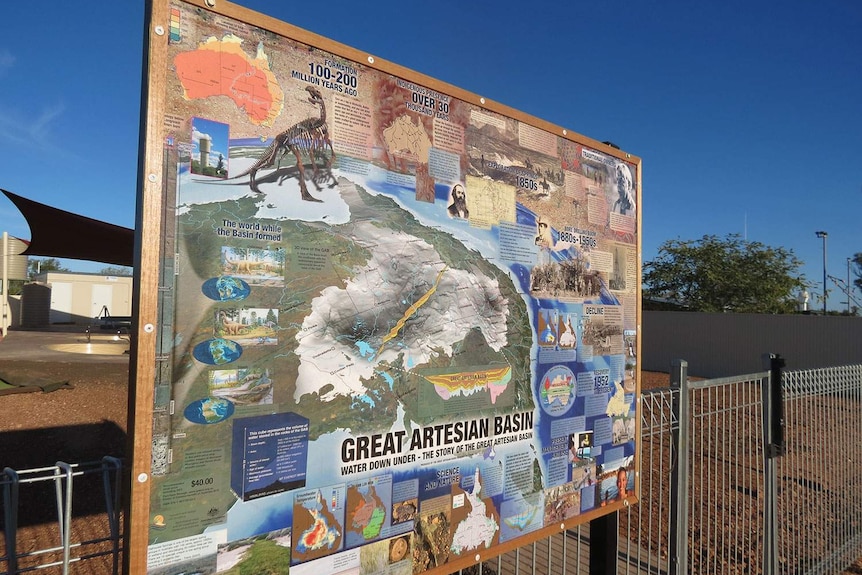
145, 287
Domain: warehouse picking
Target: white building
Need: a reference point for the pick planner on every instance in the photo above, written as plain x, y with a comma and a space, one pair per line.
74, 298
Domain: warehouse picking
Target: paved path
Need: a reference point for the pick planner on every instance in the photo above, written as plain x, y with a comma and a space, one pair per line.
33, 345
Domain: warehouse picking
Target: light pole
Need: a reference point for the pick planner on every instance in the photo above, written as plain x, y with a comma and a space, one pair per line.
848, 286
823, 235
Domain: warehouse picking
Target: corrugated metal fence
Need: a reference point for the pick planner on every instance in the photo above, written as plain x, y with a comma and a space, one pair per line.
751, 474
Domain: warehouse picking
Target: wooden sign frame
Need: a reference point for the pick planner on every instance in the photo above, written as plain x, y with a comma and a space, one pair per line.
496, 391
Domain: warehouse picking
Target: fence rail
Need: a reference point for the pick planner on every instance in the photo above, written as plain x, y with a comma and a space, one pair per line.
820, 506
750, 474
719, 497
31, 488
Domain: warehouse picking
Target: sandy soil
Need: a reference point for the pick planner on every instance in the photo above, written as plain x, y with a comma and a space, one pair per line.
76, 424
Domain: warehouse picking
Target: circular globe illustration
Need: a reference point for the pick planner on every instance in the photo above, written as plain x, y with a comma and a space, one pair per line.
557, 390
208, 410
225, 288
217, 351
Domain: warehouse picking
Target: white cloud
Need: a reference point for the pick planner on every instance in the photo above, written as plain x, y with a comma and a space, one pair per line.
19, 128
197, 135
27, 128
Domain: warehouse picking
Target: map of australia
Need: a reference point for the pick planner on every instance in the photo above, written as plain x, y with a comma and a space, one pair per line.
480, 528
394, 306
318, 530
405, 306
405, 138
222, 68
387, 310
366, 513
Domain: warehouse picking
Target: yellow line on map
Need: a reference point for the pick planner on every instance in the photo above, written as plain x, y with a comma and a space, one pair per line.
412, 309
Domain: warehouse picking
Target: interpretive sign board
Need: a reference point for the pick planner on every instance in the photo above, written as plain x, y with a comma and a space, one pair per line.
392, 326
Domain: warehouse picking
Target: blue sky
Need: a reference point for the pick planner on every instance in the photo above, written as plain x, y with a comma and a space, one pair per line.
746, 114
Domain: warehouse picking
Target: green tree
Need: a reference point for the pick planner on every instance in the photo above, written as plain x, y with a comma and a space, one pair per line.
37, 266
116, 271
220, 171
857, 270
728, 274
16, 287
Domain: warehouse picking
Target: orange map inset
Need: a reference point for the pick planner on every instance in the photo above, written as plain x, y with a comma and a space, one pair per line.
222, 68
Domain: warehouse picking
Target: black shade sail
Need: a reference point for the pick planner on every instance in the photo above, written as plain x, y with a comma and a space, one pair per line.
60, 234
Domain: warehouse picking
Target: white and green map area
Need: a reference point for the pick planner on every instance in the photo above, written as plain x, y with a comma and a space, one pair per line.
480, 528
408, 308
378, 312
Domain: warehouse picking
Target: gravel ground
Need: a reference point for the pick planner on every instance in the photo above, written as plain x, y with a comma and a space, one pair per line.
78, 423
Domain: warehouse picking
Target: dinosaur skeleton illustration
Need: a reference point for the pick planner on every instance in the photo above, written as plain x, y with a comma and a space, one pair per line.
310, 135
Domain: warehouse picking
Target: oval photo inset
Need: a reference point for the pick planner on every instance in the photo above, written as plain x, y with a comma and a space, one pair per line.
217, 351
225, 288
208, 410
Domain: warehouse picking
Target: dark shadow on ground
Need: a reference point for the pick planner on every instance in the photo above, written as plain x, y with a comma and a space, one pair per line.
36, 448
